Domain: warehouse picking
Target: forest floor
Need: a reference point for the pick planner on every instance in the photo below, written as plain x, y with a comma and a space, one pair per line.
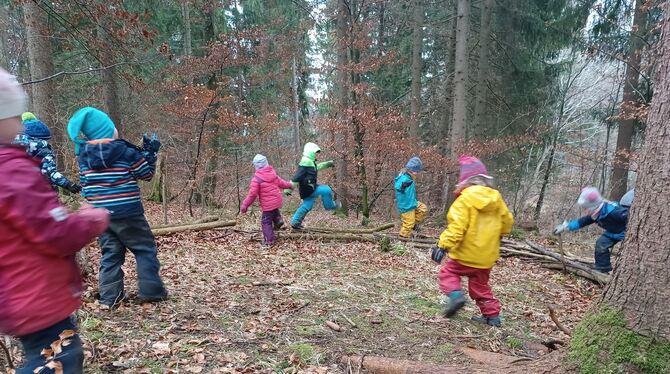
236, 307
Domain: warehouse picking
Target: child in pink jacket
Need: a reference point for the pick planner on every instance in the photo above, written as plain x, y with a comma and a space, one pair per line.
267, 186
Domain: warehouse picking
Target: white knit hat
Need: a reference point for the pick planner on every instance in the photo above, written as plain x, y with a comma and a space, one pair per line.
590, 199
260, 162
12, 96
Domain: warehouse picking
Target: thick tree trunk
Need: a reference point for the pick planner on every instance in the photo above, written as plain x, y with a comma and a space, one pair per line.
417, 68
343, 87
41, 65
639, 287
109, 79
619, 182
444, 131
186, 24
460, 77
479, 121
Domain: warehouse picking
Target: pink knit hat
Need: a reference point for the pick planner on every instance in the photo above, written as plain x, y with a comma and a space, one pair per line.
471, 167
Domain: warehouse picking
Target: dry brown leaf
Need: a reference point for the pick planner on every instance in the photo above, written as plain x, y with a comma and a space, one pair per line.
67, 334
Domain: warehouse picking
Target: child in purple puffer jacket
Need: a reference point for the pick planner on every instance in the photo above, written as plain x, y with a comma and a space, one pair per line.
267, 186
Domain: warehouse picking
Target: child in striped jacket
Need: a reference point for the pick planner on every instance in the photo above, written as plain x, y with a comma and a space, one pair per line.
109, 171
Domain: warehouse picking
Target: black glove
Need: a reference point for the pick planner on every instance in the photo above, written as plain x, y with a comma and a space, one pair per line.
151, 144
437, 254
74, 188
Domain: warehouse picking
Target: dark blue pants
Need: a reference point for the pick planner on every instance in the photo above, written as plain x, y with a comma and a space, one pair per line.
603, 252
134, 234
72, 356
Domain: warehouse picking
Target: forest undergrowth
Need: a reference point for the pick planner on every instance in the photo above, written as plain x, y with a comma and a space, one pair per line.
236, 307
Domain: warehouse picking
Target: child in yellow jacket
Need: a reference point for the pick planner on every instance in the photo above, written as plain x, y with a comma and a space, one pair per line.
476, 221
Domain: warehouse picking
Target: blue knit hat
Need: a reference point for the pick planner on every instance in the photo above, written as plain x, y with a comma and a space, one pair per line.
92, 123
414, 165
35, 128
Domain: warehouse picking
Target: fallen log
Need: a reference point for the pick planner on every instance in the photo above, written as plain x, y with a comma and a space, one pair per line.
194, 227
592, 275
327, 236
568, 262
383, 365
205, 219
383, 227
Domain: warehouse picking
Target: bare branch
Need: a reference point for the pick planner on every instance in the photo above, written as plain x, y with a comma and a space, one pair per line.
87, 71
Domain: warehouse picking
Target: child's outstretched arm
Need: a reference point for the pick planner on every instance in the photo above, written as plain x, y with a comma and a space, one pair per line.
32, 209
50, 170
283, 184
325, 165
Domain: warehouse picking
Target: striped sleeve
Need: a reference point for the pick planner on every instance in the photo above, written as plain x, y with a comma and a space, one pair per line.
141, 168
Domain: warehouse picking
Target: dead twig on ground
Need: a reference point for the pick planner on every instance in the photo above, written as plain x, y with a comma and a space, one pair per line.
552, 315
7, 354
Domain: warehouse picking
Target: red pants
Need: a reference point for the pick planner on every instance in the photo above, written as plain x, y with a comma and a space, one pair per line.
478, 285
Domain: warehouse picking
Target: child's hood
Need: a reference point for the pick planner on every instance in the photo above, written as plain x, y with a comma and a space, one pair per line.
101, 154
309, 155
482, 198
267, 174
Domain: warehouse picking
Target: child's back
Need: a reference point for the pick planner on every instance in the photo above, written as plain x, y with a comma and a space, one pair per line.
477, 219
109, 170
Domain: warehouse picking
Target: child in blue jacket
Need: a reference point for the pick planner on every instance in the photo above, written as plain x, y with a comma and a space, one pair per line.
412, 211
35, 138
610, 216
109, 171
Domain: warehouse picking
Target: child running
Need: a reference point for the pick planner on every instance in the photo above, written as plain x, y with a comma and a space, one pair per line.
412, 211
109, 170
35, 138
476, 221
40, 281
306, 180
267, 187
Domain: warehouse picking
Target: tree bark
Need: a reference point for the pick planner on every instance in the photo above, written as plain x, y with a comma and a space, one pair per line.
619, 184
479, 121
343, 84
417, 68
186, 23
4, 36
43, 95
460, 77
639, 285
296, 107
109, 78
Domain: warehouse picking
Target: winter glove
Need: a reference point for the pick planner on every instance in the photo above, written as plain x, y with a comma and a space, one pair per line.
437, 254
288, 192
74, 188
99, 216
325, 165
561, 228
151, 144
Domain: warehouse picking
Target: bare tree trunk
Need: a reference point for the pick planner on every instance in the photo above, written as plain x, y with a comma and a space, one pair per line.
343, 85
545, 180
479, 121
4, 36
619, 182
460, 77
382, 28
109, 78
41, 65
639, 285
446, 122
460, 91
296, 108
417, 68
186, 23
